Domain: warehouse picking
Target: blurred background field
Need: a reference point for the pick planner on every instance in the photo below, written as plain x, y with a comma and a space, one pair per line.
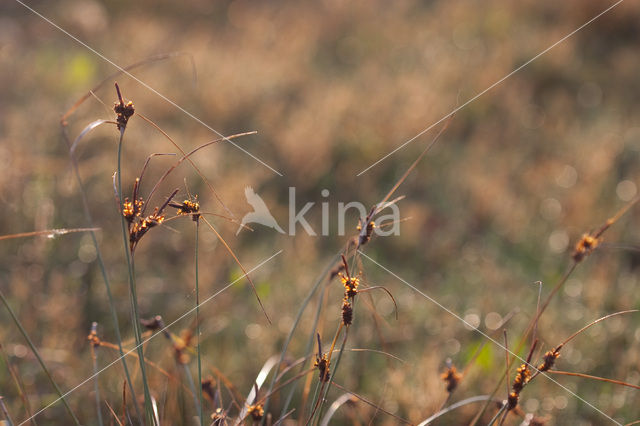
331, 87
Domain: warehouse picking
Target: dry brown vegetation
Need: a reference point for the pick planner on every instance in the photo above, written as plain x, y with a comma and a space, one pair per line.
535, 181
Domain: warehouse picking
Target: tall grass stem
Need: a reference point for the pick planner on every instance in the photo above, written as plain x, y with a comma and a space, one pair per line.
105, 277
200, 405
135, 316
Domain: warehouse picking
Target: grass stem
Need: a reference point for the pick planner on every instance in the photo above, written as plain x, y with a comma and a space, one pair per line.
200, 405
105, 277
38, 357
135, 316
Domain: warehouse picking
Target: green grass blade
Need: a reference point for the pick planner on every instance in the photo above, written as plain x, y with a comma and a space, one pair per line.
38, 357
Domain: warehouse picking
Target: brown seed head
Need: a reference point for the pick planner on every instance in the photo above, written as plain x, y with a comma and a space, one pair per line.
452, 378
93, 338
549, 359
347, 312
188, 207
350, 285
523, 374
256, 411
512, 400
323, 365
365, 234
127, 210
123, 112
584, 247
140, 228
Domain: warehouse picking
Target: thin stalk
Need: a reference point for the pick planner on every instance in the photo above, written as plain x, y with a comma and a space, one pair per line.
132, 292
96, 388
588, 376
192, 385
307, 352
316, 392
366, 401
201, 409
51, 233
323, 397
303, 306
497, 416
38, 357
5, 412
19, 385
105, 277
488, 401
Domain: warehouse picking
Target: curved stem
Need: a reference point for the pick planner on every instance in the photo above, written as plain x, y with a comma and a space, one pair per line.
103, 271
456, 406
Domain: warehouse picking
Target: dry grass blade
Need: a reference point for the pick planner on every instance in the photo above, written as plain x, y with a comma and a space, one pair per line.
395, 305
149, 363
239, 265
50, 233
570, 338
5, 413
366, 226
113, 413
601, 379
366, 401
156, 58
417, 160
587, 244
124, 401
146, 163
186, 156
18, 381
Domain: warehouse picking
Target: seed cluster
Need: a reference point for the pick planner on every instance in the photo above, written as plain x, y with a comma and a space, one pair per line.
123, 111
323, 364
584, 247
138, 224
350, 291
256, 411
365, 232
522, 378
452, 378
549, 359
188, 207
